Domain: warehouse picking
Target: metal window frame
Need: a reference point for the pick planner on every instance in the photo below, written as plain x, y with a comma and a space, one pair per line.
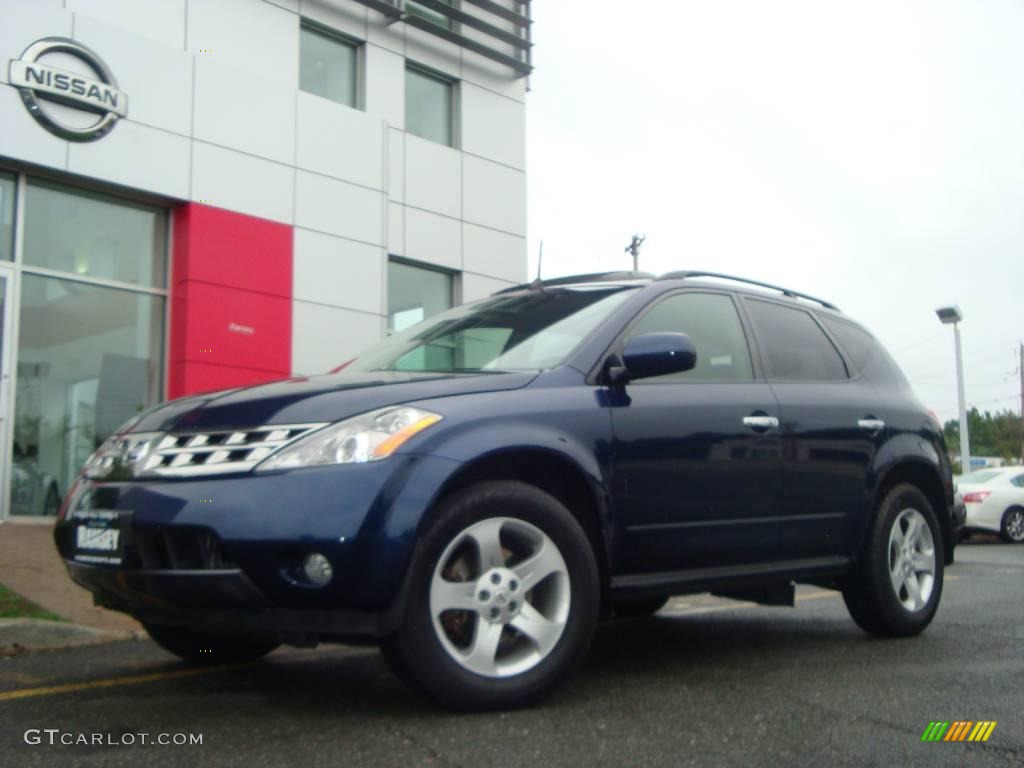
521, 63
454, 104
455, 293
359, 50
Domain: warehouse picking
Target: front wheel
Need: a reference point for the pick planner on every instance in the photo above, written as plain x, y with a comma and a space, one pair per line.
1012, 528
503, 602
205, 648
894, 589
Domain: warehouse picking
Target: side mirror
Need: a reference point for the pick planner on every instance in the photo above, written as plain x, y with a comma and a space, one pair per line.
657, 354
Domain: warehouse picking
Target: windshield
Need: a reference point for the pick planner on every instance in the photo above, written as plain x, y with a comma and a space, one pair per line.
979, 478
522, 331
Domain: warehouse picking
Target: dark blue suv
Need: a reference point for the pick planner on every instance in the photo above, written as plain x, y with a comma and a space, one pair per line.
474, 493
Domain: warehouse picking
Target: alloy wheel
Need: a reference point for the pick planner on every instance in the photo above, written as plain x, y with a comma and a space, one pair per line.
500, 597
1015, 525
911, 560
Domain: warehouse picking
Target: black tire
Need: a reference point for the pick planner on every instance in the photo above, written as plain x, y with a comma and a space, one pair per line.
204, 648
869, 593
415, 651
1011, 530
640, 608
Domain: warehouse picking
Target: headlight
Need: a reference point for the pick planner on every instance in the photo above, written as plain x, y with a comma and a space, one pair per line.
121, 456
370, 437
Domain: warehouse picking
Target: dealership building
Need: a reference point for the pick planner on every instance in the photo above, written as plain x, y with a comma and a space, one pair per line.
202, 194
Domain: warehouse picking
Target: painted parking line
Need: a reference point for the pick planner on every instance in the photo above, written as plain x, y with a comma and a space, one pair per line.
153, 677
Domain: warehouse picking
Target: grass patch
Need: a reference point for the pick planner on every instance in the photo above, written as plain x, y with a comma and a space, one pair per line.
14, 606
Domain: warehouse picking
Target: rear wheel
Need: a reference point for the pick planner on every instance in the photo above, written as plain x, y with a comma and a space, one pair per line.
204, 648
503, 603
638, 609
895, 588
1012, 527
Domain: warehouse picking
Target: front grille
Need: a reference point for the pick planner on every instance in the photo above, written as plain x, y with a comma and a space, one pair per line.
208, 453
179, 549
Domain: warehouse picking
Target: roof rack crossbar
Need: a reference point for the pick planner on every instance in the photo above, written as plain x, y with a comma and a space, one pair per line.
599, 277
692, 273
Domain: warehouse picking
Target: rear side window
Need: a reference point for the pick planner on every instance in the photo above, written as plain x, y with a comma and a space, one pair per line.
712, 323
793, 345
858, 344
1018, 481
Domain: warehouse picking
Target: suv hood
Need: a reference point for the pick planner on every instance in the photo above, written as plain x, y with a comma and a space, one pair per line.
317, 399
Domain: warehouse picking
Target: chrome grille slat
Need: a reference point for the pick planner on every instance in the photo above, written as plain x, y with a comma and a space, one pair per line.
192, 454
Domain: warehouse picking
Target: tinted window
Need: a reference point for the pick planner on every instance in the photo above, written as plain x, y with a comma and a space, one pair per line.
711, 321
428, 106
327, 66
858, 344
793, 345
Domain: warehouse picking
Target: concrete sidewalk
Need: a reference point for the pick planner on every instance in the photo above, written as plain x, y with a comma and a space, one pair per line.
30, 566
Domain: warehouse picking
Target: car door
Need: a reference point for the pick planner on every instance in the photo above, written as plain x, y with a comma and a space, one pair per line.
697, 460
833, 423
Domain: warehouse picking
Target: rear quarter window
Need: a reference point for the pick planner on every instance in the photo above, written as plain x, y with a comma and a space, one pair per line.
865, 351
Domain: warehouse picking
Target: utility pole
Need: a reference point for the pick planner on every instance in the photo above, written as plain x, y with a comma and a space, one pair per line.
1021, 369
634, 248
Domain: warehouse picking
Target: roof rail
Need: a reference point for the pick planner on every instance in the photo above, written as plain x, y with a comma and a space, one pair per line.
593, 277
690, 273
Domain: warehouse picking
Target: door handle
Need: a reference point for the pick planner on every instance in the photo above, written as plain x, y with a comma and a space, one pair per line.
873, 425
760, 422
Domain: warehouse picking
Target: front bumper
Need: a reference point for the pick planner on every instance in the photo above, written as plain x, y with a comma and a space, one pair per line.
224, 553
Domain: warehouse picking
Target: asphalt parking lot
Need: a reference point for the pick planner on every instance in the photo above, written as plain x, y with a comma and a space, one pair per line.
707, 682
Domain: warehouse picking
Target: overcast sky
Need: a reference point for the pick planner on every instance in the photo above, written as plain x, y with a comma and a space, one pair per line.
871, 153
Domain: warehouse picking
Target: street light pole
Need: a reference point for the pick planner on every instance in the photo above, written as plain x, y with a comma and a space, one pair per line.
952, 316
965, 438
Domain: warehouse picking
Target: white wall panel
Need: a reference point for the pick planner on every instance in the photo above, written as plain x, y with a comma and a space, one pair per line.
385, 85
136, 156
493, 76
432, 176
260, 39
493, 126
431, 51
339, 141
396, 229
157, 78
380, 31
478, 286
162, 21
23, 138
396, 166
243, 183
339, 208
241, 112
338, 272
495, 195
433, 239
325, 337
489, 252
341, 15
24, 23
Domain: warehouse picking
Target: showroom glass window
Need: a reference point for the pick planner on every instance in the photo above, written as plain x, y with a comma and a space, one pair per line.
416, 293
327, 65
90, 333
7, 192
429, 104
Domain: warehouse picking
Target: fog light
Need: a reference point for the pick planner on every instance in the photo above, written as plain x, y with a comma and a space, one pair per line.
317, 569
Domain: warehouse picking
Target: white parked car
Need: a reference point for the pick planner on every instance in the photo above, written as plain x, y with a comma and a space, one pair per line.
995, 501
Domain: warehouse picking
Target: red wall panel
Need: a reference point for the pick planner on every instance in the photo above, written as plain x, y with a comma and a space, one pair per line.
231, 311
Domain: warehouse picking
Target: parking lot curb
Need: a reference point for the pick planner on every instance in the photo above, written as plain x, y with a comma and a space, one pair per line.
18, 636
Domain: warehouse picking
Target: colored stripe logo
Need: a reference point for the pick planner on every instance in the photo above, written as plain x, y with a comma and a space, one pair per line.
958, 730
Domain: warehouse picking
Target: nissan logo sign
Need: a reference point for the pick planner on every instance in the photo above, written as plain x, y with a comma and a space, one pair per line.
37, 80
